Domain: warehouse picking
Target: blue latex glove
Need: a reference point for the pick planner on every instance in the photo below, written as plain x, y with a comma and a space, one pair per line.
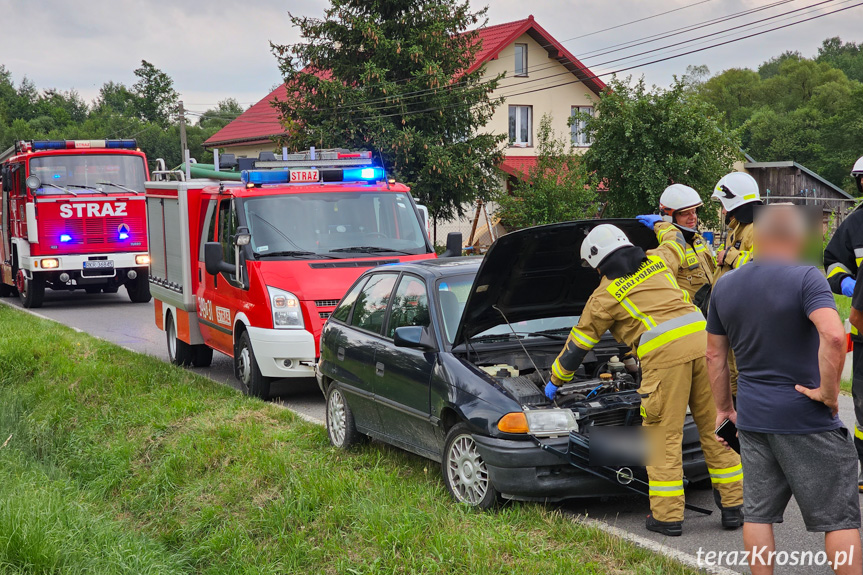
649, 220
848, 286
550, 390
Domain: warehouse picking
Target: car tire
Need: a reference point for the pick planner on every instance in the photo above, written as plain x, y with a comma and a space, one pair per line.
139, 288
340, 420
202, 356
465, 474
179, 352
31, 291
247, 370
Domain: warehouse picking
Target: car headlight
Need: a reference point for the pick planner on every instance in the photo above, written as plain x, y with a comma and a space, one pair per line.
548, 422
287, 313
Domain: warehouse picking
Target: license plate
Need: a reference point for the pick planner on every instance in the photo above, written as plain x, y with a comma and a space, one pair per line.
92, 264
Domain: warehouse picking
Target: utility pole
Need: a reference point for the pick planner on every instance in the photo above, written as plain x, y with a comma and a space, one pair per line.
183, 145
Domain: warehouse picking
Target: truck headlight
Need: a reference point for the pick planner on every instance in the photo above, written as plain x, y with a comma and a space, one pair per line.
287, 313
548, 422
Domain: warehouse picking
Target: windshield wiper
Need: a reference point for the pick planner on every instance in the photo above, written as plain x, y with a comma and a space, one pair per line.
371, 250
122, 187
59, 188
103, 192
521, 334
292, 253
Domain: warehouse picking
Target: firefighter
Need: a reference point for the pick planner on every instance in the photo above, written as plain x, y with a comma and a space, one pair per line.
842, 260
738, 193
640, 302
678, 225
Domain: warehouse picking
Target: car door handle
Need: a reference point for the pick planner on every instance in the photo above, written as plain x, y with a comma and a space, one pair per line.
340, 354
379, 369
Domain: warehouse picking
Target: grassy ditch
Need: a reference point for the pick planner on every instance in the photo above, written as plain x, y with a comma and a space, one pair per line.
119, 463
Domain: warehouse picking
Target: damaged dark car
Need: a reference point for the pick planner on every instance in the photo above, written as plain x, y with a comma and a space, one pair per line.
448, 359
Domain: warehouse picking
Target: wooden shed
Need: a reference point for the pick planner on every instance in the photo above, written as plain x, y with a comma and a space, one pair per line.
791, 182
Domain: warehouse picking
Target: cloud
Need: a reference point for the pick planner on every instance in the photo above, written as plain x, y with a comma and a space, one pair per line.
216, 49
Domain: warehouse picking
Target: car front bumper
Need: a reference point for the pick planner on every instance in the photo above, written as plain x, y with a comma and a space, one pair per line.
522, 470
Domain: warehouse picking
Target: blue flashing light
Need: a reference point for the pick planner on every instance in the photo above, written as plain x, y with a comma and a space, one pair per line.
49, 145
124, 236
265, 177
65, 238
56, 176
121, 144
362, 174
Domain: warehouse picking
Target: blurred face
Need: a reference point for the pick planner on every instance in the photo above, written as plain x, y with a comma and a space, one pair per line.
687, 218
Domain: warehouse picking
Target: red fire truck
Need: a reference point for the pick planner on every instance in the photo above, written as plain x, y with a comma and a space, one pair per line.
253, 269
72, 216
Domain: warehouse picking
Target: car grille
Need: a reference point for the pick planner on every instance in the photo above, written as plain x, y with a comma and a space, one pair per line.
324, 314
615, 417
326, 302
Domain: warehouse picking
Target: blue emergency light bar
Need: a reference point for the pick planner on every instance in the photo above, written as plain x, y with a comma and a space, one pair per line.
312, 175
77, 145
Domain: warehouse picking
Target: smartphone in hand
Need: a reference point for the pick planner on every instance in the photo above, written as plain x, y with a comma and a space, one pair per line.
728, 431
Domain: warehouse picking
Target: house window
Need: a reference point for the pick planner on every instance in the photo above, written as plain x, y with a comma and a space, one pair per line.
521, 59
578, 129
521, 126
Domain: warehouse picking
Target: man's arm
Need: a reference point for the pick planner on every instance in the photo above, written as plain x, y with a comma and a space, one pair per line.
831, 358
720, 379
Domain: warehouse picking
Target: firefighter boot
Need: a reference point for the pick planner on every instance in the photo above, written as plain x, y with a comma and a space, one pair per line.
732, 517
667, 528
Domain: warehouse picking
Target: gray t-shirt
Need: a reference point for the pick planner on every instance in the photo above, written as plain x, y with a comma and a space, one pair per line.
763, 308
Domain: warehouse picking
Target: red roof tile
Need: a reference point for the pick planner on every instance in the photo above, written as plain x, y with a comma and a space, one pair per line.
261, 122
518, 166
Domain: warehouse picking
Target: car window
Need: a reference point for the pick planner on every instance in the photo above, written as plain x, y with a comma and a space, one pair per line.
452, 296
343, 312
371, 305
410, 305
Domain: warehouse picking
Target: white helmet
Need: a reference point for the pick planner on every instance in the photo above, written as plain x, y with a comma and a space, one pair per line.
678, 197
736, 189
602, 241
857, 174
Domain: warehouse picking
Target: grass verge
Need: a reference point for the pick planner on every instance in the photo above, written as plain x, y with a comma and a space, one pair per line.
119, 463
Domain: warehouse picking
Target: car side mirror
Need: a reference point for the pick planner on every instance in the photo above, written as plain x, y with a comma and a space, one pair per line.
414, 337
214, 259
453, 245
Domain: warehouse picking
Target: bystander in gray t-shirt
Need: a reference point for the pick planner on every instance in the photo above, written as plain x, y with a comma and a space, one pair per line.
763, 308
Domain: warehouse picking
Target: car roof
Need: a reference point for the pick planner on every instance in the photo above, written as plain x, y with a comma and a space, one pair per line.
435, 268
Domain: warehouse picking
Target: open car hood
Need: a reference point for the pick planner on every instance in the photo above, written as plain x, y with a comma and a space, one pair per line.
536, 273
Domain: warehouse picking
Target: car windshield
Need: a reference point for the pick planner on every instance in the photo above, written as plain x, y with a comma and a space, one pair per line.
89, 174
354, 224
452, 293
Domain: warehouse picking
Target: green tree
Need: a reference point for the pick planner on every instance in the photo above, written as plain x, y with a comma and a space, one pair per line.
217, 118
394, 76
733, 93
556, 189
847, 56
644, 140
156, 98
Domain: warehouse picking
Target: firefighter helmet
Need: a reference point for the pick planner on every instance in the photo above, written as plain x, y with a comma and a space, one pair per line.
736, 189
678, 197
857, 174
602, 241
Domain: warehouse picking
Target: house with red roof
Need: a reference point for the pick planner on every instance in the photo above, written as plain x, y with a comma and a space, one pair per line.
541, 77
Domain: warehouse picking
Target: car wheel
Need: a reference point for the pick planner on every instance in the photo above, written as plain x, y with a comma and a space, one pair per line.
202, 356
139, 288
31, 291
247, 370
340, 420
179, 352
464, 471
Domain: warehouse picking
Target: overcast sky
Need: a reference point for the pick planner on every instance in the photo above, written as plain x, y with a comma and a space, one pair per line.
219, 49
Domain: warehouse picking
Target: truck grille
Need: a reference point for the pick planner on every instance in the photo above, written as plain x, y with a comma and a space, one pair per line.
326, 302
324, 314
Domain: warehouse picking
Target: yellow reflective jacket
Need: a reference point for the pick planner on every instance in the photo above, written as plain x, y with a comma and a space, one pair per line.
740, 243
646, 310
699, 265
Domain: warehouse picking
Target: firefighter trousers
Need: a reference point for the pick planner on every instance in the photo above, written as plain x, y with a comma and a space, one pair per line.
668, 391
732, 373
857, 394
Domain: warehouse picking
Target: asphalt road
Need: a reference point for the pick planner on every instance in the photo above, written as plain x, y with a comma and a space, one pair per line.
114, 318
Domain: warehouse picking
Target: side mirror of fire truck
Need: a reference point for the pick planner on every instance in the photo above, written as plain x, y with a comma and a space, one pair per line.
33, 182
214, 259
